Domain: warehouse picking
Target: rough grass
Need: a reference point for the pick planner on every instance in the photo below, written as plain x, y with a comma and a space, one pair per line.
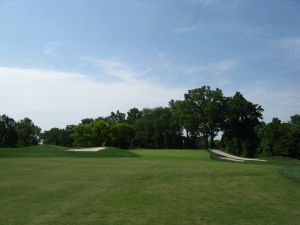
45, 185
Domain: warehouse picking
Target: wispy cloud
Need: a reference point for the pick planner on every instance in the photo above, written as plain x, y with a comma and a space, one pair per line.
218, 4
51, 47
291, 46
205, 2
186, 29
117, 68
216, 68
224, 27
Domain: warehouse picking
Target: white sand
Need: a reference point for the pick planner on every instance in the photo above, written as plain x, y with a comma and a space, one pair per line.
227, 155
230, 159
95, 149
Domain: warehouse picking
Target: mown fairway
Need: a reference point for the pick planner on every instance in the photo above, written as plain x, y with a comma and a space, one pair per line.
44, 185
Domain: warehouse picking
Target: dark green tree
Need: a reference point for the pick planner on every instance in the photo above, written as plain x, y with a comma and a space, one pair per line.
201, 113
8, 132
186, 118
157, 129
280, 139
241, 119
28, 133
269, 134
121, 135
214, 113
51, 136
65, 138
133, 114
87, 120
117, 116
82, 135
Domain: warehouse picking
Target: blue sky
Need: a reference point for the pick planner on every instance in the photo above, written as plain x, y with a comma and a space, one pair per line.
61, 61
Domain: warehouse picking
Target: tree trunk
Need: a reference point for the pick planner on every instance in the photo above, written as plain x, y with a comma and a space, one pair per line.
206, 140
212, 143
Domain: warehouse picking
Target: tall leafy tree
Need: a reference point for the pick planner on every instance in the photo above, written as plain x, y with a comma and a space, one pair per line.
269, 134
197, 99
214, 113
8, 132
58, 136
186, 117
51, 136
117, 116
87, 120
283, 139
100, 131
91, 134
201, 112
28, 133
65, 136
133, 114
82, 135
241, 119
121, 135
157, 129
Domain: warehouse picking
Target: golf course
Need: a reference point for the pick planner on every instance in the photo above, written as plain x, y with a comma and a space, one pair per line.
47, 185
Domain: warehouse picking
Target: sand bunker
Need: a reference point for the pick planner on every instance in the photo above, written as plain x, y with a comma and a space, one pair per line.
228, 156
94, 149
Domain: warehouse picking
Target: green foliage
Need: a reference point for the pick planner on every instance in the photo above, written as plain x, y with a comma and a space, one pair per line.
278, 138
87, 121
200, 113
117, 117
121, 135
102, 132
241, 119
8, 132
28, 133
56, 136
90, 134
133, 114
51, 136
157, 129
185, 116
82, 135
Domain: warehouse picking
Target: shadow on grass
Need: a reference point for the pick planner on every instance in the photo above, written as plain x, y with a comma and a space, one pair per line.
56, 151
292, 174
213, 156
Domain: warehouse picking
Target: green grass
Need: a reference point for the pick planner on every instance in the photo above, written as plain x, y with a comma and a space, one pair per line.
45, 185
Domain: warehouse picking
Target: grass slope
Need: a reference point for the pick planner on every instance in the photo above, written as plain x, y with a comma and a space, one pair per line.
158, 187
56, 151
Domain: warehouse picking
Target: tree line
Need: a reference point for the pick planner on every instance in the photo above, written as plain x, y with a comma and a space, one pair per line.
193, 122
18, 134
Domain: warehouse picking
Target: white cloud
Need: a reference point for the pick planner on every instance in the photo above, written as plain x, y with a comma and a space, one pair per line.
53, 98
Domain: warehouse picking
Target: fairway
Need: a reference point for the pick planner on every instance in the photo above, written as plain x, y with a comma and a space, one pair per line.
46, 185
